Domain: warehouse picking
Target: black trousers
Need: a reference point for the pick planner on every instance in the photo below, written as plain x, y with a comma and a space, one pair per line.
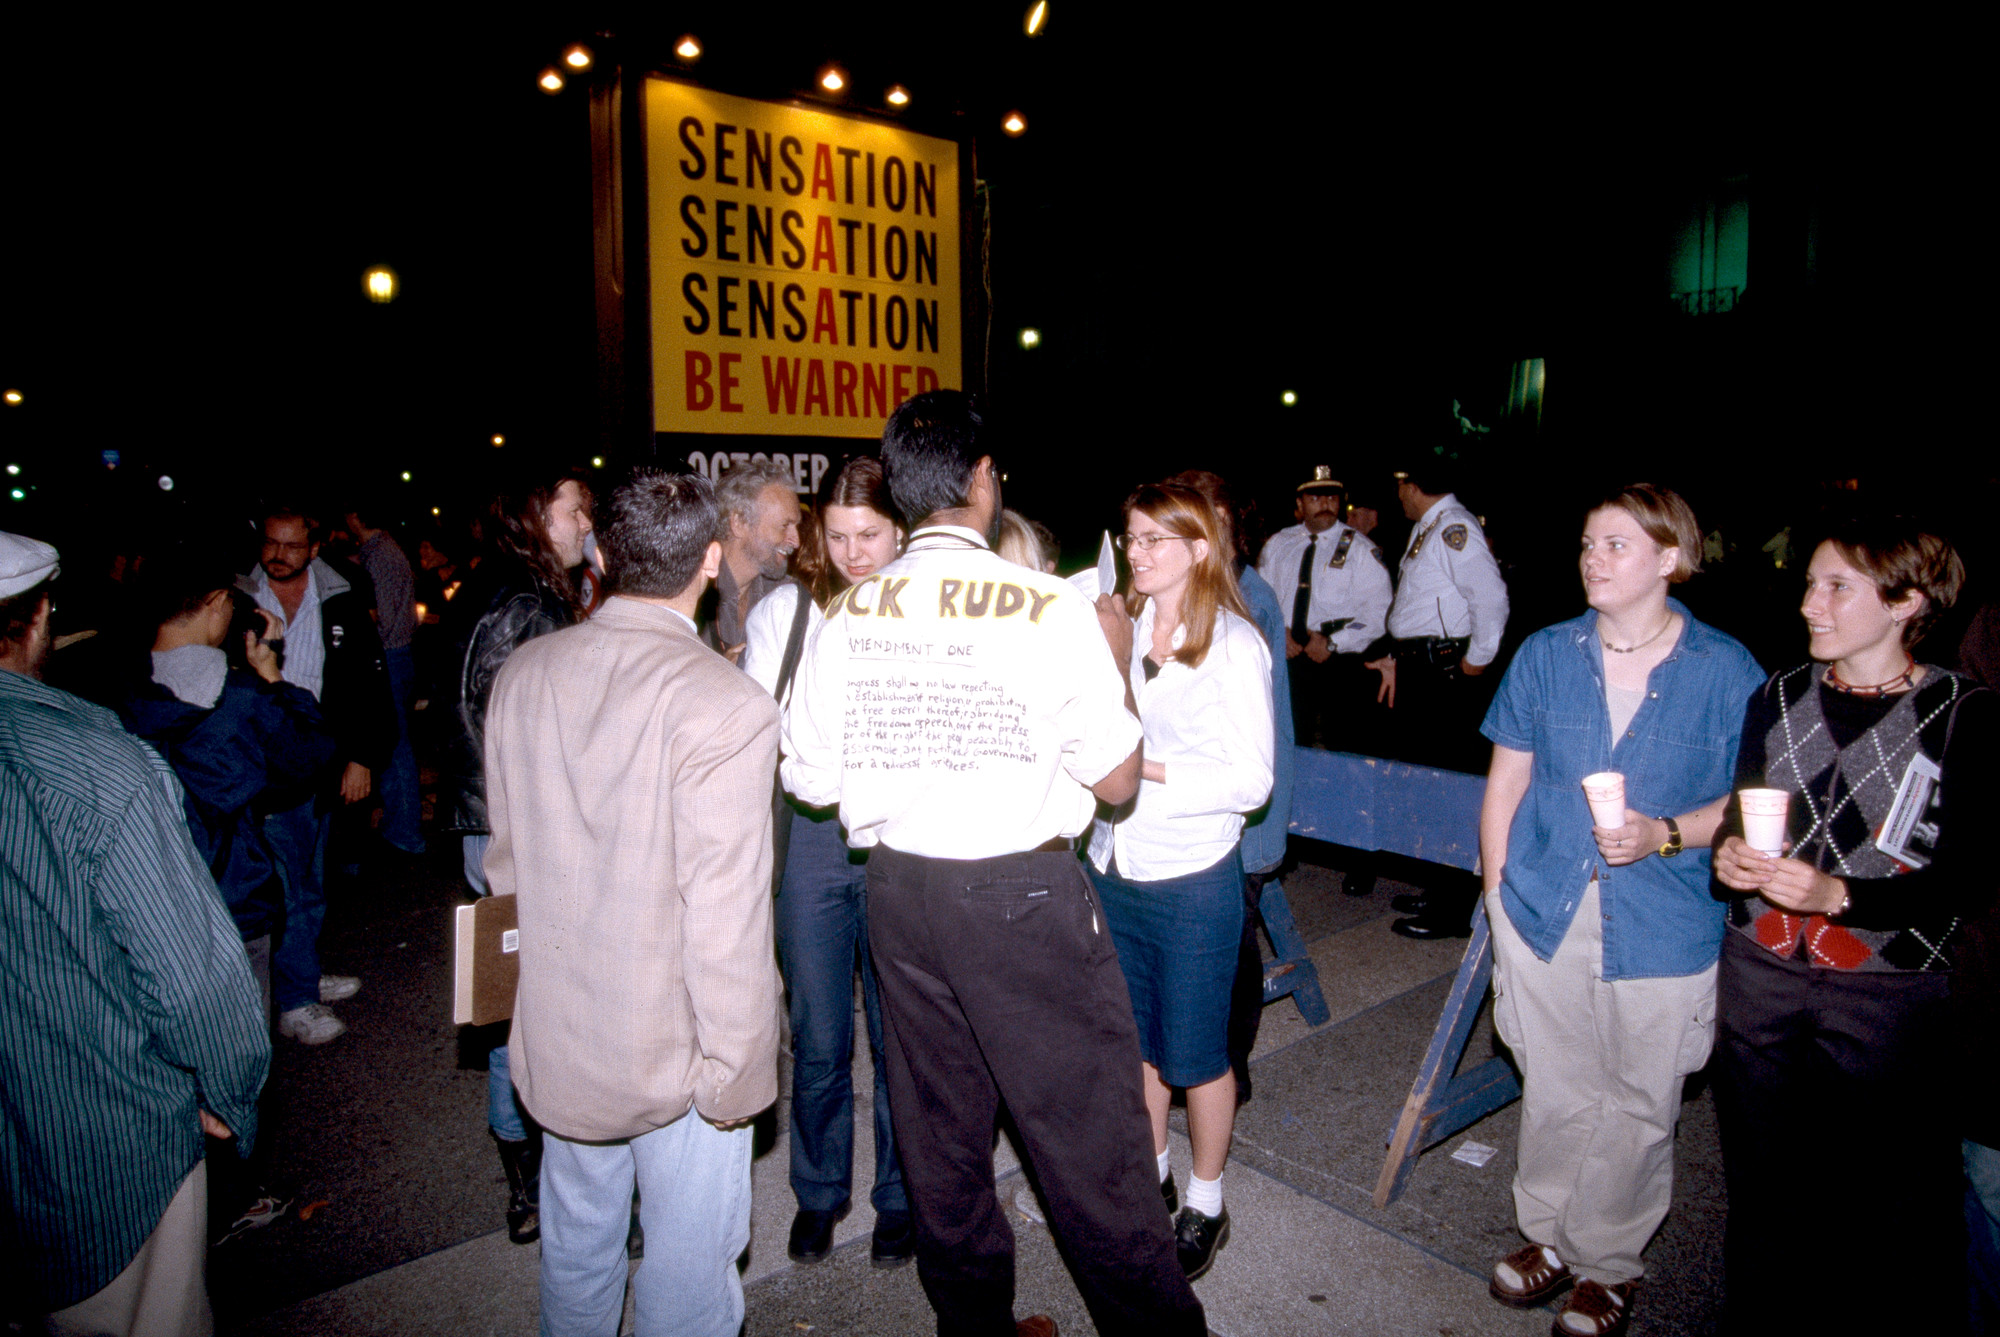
1839, 1146
999, 983
1437, 716
1334, 706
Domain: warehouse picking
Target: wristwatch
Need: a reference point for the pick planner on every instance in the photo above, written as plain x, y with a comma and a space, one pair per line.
1673, 845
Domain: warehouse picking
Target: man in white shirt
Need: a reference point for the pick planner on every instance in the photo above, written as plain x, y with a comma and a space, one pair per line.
967, 715
1333, 584
1446, 624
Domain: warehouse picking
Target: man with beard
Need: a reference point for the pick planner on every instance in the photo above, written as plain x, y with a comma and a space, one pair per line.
331, 650
762, 511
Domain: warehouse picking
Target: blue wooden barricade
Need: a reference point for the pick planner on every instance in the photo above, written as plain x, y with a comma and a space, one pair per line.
1368, 803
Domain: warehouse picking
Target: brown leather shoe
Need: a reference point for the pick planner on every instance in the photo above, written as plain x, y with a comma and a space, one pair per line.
1041, 1325
1541, 1274
1595, 1310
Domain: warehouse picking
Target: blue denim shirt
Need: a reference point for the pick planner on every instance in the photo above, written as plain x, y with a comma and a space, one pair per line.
1678, 753
1264, 830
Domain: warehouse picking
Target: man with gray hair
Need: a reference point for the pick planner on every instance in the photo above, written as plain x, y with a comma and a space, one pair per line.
628, 784
761, 511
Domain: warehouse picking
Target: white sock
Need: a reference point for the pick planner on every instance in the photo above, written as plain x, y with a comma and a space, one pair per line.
1205, 1195
1166, 1166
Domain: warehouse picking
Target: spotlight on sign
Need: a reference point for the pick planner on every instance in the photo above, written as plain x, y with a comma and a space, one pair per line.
550, 80
1015, 124
897, 96
380, 284
688, 48
1031, 338
833, 79
499, 440
577, 57
1038, 16
1288, 398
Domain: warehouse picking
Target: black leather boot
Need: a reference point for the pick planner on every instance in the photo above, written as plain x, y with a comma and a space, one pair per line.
523, 1163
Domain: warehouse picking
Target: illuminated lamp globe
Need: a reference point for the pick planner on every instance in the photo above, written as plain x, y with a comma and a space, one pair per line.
832, 79
13, 396
688, 48
597, 461
1015, 124
1031, 338
550, 80
499, 440
577, 57
898, 96
380, 284
1289, 398
406, 475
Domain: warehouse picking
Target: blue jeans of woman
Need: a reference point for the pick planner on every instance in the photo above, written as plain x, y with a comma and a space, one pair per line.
503, 1108
822, 928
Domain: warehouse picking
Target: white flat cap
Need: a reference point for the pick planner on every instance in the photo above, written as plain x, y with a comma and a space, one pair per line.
24, 563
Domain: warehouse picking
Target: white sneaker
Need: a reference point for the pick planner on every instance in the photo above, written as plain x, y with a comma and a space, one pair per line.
312, 1024
333, 988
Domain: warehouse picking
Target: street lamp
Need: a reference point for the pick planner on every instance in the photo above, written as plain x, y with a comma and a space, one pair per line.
577, 57
380, 284
1015, 125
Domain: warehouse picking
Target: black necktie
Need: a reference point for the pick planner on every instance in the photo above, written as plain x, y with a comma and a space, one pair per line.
1299, 601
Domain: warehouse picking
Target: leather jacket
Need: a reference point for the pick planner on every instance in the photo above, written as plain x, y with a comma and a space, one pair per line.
493, 617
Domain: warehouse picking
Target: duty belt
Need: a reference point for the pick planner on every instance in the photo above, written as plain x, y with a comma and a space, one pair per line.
1442, 651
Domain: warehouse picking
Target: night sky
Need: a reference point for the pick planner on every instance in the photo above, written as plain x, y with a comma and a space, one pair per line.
1202, 215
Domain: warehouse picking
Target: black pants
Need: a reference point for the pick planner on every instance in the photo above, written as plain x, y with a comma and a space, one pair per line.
1437, 716
1334, 706
999, 983
1839, 1147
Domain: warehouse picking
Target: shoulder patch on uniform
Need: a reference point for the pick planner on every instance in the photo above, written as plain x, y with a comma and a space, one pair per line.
1454, 538
1378, 554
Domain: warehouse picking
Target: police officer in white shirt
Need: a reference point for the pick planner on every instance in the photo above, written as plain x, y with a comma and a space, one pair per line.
1446, 624
1333, 584
967, 715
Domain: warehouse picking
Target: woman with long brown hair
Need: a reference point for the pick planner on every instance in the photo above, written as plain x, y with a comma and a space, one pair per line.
1166, 866
822, 909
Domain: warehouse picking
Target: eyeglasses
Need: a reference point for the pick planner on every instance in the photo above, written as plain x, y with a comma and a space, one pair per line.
1145, 542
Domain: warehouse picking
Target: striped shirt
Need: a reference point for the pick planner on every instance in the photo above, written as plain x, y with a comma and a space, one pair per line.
126, 1000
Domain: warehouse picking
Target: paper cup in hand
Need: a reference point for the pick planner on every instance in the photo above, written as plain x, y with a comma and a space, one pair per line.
1606, 793
1764, 819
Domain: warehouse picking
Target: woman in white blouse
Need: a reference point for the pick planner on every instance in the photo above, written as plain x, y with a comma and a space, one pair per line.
1166, 866
822, 909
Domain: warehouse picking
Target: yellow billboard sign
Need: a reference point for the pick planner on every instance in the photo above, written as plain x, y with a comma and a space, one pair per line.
805, 266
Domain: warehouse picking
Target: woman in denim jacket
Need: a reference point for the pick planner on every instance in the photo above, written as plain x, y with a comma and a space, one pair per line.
1605, 939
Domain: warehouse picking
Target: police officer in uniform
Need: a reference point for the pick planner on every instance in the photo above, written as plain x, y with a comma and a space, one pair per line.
1445, 628
1334, 585
966, 715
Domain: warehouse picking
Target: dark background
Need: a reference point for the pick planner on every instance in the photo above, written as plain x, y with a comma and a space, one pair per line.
1203, 214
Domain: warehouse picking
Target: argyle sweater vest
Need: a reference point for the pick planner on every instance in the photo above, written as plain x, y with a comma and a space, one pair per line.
1842, 797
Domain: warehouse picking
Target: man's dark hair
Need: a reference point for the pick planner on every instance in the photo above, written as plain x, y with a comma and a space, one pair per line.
287, 510
17, 611
655, 531
929, 449
517, 523
179, 580
1431, 475
371, 511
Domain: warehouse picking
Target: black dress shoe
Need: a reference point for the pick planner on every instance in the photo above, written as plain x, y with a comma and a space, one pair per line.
1172, 1196
812, 1235
1198, 1238
1425, 929
894, 1242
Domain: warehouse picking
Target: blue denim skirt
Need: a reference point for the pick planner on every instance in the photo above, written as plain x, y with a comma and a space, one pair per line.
1177, 941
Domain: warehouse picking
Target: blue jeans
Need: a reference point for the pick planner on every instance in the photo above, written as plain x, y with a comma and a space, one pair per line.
1982, 1228
298, 840
402, 801
694, 1203
822, 927
503, 1104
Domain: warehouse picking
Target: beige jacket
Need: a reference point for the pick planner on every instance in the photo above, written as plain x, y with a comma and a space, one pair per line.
628, 780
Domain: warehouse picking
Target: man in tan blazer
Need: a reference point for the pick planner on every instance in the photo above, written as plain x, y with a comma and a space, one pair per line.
628, 775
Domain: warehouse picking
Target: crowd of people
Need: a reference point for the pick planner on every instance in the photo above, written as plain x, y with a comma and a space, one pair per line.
729, 753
